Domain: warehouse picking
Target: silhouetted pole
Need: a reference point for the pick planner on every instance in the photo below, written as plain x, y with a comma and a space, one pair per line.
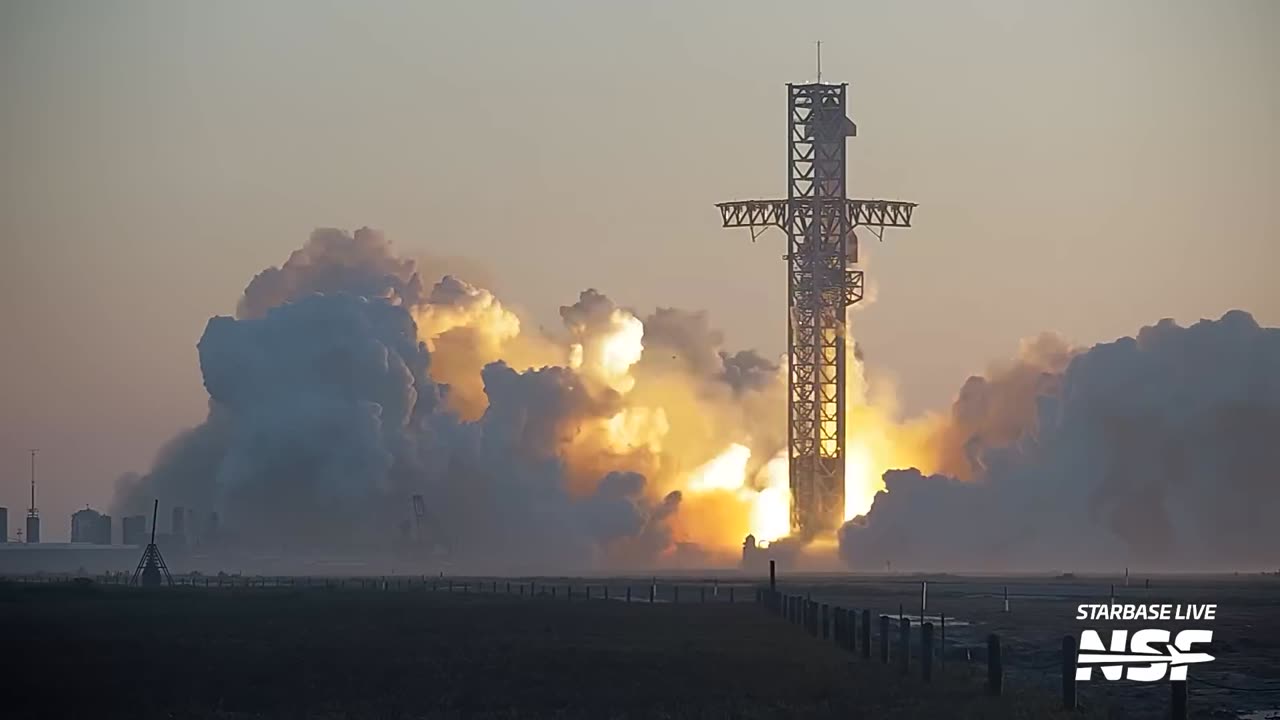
904, 645
942, 640
995, 669
826, 622
628, 593
1068, 672
773, 576
926, 651
866, 634
884, 639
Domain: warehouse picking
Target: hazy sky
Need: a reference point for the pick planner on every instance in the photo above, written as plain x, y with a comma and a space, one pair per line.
1084, 167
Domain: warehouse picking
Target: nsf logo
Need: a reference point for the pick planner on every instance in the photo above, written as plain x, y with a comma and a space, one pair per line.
1146, 655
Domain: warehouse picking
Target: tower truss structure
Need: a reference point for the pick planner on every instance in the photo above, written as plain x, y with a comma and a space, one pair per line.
822, 282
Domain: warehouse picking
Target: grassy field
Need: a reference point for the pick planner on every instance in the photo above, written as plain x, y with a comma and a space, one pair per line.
316, 653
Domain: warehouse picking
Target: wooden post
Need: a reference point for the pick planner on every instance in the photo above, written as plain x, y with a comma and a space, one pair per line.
588, 592
675, 593
730, 594
702, 594
826, 622
606, 591
1006, 598
553, 591
995, 668
926, 651
904, 645
866, 634
773, 577
942, 641
1178, 700
837, 625
1068, 672
884, 639
628, 593
653, 592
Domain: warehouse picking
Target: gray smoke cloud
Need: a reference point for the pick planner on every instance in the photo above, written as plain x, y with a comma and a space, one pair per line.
1156, 451
324, 420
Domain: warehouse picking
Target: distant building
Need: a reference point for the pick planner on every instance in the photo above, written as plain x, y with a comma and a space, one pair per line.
133, 530
84, 523
4, 525
91, 526
33, 528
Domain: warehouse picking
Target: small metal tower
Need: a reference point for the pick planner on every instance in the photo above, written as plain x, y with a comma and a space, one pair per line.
33, 513
151, 568
822, 282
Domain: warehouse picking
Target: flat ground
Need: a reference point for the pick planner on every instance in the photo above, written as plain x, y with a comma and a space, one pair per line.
1042, 610
94, 651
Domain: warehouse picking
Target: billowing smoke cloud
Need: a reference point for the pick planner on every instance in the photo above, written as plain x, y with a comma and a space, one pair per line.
1157, 451
346, 385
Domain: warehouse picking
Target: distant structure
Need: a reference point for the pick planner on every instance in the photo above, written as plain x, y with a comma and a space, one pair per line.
822, 282
419, 514
33, 515
90, 526
133, 530
178, 528
754, 556
151, 568
4, 524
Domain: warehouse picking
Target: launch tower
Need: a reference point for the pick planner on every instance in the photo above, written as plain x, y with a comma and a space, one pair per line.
822, 282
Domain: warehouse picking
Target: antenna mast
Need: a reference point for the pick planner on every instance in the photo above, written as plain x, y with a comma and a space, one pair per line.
33, 452
819, 62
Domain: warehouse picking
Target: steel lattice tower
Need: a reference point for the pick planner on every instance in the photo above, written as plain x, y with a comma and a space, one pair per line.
822, 283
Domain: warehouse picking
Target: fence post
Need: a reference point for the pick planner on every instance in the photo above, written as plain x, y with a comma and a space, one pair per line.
730, 594
866, 634
942, 641
1178, 700
653, 590
606, 591
773, 577
837, 626
628, 593
1068, 672
814, 619
553, 592
926, 651
675, 593
826, 622
884, 639
904, 644
995, 669
702, 594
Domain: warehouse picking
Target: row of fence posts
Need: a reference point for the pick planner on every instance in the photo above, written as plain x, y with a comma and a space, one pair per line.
399, 582
849, 632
